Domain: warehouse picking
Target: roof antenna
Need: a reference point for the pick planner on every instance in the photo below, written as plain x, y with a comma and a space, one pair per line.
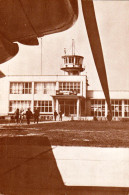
65, 51
41, 55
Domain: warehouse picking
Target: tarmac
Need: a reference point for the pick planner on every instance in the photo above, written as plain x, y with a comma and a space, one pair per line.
92, 166
29, 165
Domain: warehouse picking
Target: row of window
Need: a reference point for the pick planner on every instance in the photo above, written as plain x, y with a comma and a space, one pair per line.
45, 88
75, 60
69, 86
42, 87
21, 88
70, 107
98, 108
116, 107
44, 106
66, 106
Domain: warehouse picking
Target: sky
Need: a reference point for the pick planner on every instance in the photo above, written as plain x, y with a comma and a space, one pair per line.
113, 23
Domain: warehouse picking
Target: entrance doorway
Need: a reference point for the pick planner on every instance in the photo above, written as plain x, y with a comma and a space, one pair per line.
68, 107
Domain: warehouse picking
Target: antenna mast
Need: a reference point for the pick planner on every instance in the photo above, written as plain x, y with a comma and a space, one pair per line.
41, 55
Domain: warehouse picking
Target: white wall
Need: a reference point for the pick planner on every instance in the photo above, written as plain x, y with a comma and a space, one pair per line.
4, 89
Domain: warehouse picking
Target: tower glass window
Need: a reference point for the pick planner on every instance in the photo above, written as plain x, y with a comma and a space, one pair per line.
71, 59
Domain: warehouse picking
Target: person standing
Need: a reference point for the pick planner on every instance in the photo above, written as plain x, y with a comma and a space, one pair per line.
21, 115
17, 115
60, 115
28, 115
55, 115
36, 115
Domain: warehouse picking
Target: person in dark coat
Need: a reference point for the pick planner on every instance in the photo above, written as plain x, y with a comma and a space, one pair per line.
36, 115
28, 115
60, 115
55, 115
17, 115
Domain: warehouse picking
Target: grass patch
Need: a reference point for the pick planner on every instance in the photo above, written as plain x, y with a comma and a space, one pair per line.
77, 133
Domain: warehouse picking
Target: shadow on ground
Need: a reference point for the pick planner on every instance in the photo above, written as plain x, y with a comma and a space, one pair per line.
28, 167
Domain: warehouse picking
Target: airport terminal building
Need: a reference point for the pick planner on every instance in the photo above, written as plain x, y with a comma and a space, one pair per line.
67, 93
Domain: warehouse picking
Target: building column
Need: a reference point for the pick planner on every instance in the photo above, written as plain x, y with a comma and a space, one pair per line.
32, 100
53, 104
78, 107
57, 106
81, 88
106, 109
57, 85
8, 96
122, 108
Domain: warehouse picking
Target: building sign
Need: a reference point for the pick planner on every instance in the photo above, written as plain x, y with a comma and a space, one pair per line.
60, 92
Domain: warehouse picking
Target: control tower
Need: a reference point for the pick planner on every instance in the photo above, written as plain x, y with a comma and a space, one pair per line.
72, 64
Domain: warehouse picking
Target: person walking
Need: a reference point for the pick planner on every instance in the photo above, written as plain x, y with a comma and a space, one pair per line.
28, 115
36, 115
55, 115
60, 115
17, 115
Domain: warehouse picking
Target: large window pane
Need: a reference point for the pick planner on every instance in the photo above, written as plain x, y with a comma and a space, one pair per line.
98, 107
116, 108
44, 106
69, 86
22, 105
20, 88
126, 108
44, 88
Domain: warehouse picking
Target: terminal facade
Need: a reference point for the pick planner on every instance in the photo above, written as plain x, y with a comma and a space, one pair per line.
67, 93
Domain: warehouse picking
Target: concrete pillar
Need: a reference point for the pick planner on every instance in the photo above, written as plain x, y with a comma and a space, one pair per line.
88, 107
8, 102
81, 88
53, 105
106, 109
57, 85
122, 108
78, 107
32, 100
57, 106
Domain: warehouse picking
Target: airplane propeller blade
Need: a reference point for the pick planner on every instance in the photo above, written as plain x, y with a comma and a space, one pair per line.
95, 44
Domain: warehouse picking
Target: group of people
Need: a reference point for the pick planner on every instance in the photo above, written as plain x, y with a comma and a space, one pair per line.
56, 114
19, 115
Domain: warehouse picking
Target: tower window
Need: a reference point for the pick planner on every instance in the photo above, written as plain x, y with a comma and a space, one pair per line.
65, 60
71, 59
